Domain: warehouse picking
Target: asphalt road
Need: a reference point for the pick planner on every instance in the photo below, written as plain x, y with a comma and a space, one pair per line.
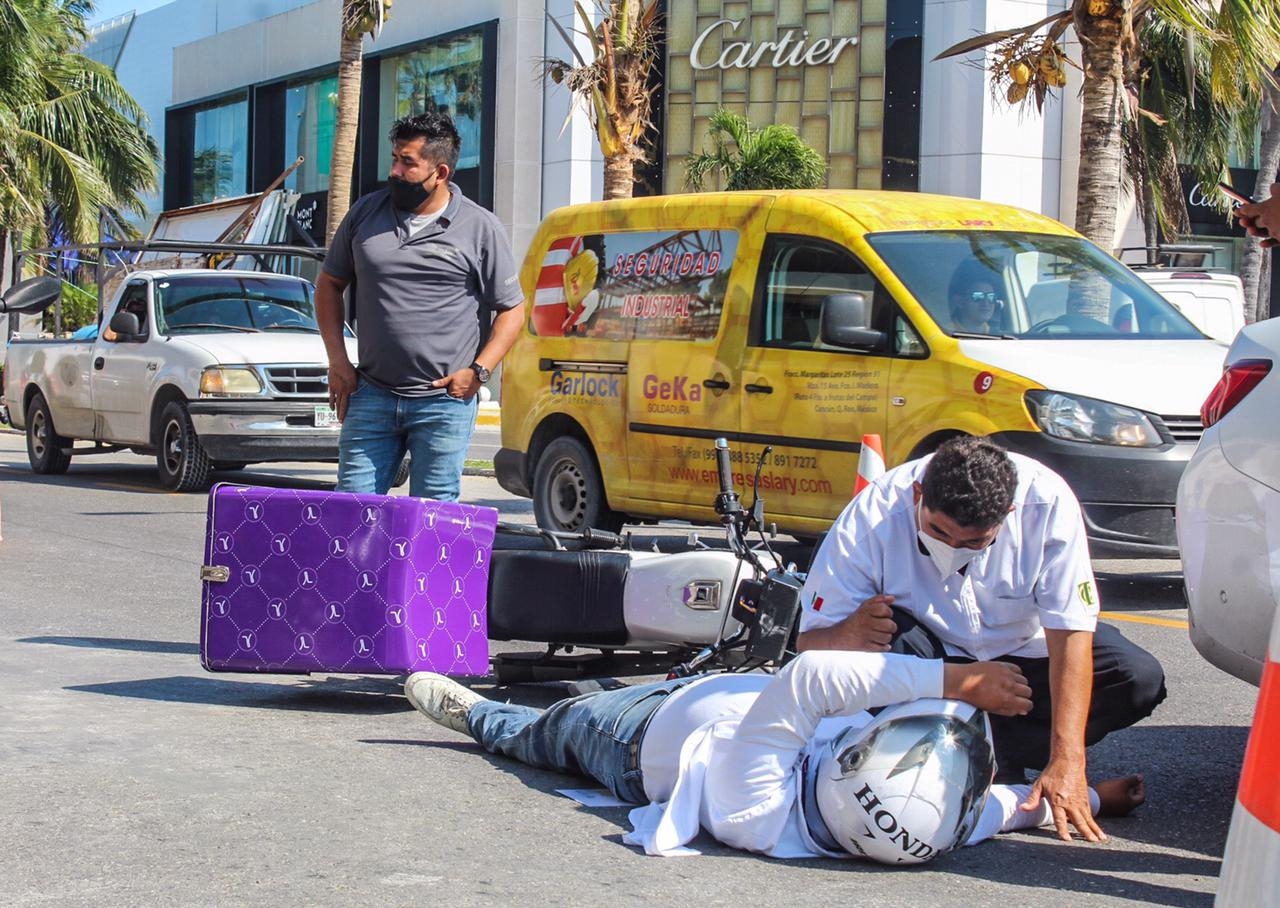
130, 776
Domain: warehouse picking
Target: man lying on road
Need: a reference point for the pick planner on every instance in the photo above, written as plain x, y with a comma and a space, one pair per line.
789, 765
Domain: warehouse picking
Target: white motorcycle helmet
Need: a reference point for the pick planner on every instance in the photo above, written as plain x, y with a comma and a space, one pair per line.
910, 785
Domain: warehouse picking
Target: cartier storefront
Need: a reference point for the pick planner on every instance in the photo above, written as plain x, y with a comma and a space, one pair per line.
844, 73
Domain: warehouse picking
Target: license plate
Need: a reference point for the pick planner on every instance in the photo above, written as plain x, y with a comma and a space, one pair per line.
325, 416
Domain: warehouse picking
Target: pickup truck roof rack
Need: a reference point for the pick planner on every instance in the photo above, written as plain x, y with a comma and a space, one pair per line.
1167, 255
266, 257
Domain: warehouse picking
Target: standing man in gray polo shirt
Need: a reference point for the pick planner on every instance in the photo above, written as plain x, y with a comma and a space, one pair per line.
431, 268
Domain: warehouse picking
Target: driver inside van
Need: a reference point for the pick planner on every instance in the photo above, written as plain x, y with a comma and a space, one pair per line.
976, 300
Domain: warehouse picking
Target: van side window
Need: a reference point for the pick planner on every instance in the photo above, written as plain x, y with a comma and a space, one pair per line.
798, 273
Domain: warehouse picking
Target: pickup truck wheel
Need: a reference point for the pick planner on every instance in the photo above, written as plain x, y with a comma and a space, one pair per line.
181, 459
568, 493
45, 446
402, 473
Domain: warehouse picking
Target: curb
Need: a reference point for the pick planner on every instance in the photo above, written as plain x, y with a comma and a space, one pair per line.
489, 414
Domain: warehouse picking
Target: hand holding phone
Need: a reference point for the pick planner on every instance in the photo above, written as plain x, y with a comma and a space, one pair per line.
1236, 195
1239, 198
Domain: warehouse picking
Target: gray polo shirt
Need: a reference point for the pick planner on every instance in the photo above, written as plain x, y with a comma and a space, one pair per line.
423, 302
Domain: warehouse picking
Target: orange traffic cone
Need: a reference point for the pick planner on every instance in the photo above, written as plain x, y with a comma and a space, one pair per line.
870, 462
1251, 864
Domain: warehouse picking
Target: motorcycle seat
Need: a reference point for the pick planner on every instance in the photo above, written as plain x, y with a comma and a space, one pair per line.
558, 596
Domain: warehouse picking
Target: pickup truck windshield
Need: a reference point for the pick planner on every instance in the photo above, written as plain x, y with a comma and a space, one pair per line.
1025, 285
233, 302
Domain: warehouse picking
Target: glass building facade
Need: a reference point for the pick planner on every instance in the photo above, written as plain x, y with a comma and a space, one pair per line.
220, 151
243, 142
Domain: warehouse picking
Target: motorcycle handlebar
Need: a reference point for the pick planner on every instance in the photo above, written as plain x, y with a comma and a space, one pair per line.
722, 466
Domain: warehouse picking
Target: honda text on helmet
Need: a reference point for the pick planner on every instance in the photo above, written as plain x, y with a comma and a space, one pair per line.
910, 785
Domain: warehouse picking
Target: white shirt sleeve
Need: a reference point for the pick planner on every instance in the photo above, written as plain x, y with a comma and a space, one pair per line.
1066, 593
751, 784
1002, 812
849, 567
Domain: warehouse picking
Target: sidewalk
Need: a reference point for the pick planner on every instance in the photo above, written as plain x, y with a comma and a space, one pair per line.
490, 414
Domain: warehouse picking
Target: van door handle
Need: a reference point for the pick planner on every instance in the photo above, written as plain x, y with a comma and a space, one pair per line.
715, 384
759, 389
98, 363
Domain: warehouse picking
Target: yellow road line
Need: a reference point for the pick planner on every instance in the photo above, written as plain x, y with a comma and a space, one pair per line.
1143, 619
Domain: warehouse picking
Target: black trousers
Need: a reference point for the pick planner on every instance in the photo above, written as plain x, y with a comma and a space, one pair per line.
1128, 684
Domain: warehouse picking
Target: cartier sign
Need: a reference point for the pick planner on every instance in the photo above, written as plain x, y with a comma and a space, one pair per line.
787, 50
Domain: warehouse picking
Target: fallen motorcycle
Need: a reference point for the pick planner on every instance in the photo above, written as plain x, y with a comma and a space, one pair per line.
602, 608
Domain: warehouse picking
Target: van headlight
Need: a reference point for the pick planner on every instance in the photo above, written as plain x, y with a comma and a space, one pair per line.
224, 381
1088, 420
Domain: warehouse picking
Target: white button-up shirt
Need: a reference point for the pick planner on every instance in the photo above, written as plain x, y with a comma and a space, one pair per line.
1036, 574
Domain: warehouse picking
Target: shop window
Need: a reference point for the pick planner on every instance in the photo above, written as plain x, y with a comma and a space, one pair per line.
220, 153
444, 76
311, 110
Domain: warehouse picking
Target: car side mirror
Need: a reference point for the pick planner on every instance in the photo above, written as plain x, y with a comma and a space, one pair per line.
33, 295
125, 324
845, 322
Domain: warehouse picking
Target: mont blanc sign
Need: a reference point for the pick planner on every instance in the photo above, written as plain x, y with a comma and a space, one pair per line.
788, 50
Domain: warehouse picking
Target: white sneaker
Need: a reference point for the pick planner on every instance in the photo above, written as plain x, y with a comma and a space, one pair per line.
441, 699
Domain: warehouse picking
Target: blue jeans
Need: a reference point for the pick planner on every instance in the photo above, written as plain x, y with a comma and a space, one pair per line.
380, 426
596, 735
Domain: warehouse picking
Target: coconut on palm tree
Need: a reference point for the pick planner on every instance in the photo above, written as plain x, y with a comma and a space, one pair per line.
615, 86
770, 157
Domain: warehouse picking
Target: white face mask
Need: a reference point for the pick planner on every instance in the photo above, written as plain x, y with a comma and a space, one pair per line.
946, 559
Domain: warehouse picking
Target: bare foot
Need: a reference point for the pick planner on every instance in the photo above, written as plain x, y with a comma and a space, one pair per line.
1120, 796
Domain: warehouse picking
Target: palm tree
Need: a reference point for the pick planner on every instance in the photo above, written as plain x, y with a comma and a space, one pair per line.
774, 157
1255, 263
72, 140
359, 18
1178, 122
1241, 37
614, 87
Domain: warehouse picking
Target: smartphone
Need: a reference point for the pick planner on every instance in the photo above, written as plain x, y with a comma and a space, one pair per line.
1232, 193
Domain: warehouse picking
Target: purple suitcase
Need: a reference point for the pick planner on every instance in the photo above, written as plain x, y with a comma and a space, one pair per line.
305, 581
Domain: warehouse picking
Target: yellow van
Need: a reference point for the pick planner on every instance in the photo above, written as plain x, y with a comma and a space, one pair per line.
804, 320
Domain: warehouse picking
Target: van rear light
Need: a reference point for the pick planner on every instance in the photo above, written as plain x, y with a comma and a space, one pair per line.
1238, 380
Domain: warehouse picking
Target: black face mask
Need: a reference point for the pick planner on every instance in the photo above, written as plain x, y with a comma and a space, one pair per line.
407, 196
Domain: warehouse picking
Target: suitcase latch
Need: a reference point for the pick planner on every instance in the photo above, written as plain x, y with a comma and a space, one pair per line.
215, 573
702, 595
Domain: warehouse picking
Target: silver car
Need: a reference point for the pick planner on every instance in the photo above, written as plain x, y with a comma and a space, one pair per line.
1228, 510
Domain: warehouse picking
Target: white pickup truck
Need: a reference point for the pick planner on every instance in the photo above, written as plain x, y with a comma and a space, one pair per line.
205, 369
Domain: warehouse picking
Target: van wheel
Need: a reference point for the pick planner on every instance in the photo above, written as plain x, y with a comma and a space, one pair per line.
568, 494
45, 447
181, 460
